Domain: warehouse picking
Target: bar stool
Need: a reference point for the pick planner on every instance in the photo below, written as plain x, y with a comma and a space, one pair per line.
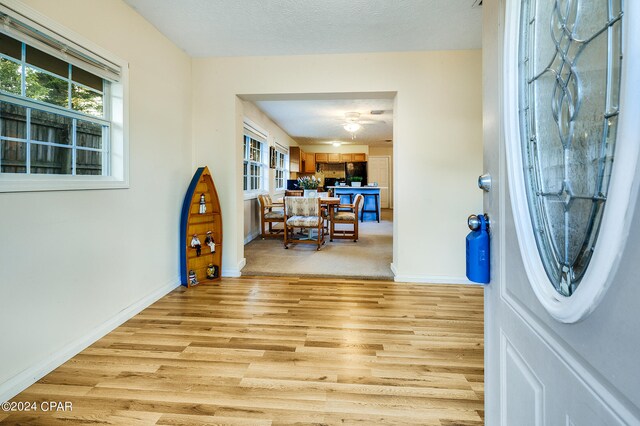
376, 201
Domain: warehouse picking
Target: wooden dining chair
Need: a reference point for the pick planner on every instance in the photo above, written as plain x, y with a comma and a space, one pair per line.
304, 213
270, 213
324, 210
345, 214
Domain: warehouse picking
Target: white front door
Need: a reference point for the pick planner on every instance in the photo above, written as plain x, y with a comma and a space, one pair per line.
540, 370
379, 171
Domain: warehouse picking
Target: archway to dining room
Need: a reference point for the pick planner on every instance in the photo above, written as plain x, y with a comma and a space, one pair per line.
344, 144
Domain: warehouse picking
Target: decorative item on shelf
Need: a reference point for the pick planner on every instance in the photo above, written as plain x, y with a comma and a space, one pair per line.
356, 181
212, 271
201, 192
209, 241
203, 205
192, 277
195, 243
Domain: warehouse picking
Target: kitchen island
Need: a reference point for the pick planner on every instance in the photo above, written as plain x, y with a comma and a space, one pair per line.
371, 204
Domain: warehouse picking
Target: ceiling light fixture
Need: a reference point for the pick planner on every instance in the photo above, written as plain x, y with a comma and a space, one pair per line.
336, 144
351, 125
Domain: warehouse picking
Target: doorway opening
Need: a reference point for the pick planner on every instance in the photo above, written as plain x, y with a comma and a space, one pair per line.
345, 143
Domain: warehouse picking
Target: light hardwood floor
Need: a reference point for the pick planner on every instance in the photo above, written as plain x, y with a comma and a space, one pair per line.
262, 351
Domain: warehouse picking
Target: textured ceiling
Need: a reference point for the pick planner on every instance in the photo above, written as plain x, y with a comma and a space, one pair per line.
295, 27
319, 121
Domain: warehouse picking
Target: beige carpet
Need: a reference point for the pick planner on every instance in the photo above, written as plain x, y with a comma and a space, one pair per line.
369, 258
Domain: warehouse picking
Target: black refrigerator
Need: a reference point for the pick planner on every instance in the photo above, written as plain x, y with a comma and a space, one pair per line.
356, 169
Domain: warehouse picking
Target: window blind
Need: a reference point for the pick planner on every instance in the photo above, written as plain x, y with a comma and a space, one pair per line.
22, 28
254, 134
281, 148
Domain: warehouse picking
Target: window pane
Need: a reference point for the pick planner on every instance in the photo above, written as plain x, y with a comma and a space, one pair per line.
13, 121
245, 176
85, 100
88, 135
10, 46
47, 62
47, 88
48, 127
13, 157
245, 153
88, 162
9, 76
50, 160
86, 78
569, 86
255, 148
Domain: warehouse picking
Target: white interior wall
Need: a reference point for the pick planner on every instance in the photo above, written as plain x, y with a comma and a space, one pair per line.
437, 141
274, 134
70, 261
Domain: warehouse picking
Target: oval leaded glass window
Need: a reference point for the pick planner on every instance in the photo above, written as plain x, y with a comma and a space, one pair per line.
569, 78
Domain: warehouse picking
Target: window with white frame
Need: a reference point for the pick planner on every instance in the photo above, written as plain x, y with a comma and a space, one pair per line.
57, 114
282, 169
255, 166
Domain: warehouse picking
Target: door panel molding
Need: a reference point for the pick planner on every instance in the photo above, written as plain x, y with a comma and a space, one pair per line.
599, 386
508, 352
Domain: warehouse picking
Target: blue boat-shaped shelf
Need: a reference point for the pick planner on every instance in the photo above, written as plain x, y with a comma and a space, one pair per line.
201, 216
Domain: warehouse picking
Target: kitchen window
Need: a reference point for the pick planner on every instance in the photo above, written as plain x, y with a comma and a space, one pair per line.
61, 109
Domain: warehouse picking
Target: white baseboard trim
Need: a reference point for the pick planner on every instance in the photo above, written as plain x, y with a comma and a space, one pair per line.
235, 272
26, 378
431, 279
252, 236
393, 268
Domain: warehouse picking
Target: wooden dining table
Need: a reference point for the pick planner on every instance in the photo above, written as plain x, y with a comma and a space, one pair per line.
329, 201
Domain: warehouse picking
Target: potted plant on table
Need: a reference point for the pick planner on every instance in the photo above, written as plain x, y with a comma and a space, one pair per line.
309, 184
356, 181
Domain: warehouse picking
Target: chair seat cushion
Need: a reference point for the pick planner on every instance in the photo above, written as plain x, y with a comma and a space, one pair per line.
303, 221
274, 215
345, 216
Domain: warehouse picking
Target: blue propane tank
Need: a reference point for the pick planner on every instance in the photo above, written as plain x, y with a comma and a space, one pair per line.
478, 253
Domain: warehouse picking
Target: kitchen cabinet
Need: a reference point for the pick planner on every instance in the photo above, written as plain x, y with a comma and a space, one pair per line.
295, 160
309, 163
333, 157
322, 157
359, 157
